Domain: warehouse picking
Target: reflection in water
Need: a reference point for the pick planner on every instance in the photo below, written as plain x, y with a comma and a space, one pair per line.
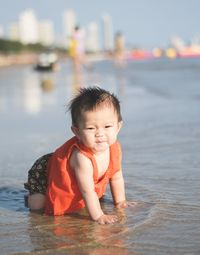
77, 81
26, 90
78, 78
47, 81
47, 85
120, 74
32, 95
34, 86
74, 233
79, 234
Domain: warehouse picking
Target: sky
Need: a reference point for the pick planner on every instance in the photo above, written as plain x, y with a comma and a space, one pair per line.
144, 23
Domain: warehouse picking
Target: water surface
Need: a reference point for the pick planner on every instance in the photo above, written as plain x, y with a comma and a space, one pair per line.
160, 140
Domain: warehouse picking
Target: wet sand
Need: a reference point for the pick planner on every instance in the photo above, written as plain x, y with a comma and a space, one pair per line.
160, 141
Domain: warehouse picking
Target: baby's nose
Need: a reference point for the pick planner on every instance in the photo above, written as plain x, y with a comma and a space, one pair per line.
99, 132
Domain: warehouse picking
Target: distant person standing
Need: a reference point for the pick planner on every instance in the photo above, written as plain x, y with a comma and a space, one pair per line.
119, 50
77, 49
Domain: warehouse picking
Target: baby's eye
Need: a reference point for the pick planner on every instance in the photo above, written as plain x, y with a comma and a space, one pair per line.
108, 126
90, 128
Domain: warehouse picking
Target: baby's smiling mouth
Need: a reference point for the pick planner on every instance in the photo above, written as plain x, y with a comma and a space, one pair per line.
99, 141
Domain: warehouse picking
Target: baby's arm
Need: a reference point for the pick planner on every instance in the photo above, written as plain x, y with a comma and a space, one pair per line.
84, 173
118, 191
117, 188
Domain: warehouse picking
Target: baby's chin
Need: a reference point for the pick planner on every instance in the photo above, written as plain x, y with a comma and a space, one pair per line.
101, 147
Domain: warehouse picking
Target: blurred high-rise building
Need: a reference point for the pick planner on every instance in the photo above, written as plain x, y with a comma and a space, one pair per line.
46, 32
177, 43
13, 31
107, 32
69, 23
28, 27
92, 43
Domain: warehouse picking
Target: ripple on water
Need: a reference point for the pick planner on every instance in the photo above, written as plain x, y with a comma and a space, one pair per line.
31, 232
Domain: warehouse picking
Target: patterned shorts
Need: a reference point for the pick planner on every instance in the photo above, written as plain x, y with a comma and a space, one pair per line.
37, 176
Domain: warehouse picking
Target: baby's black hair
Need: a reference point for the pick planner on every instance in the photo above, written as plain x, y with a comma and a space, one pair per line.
90, 98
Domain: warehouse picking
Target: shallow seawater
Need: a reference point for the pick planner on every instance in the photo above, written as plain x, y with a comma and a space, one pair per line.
160, 140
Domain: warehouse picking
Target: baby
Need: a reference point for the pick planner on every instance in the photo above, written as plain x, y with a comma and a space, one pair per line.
77, 173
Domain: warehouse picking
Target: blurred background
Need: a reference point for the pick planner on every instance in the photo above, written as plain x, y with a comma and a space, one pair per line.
148, 54
159, 28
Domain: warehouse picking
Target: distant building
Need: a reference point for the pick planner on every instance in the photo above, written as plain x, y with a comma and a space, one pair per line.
92, 43
107, 33
177, 43
13, 31
46, 33
28, 27
69, 23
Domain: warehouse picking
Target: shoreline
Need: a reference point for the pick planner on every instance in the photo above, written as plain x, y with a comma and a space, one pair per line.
17, 59
32, 58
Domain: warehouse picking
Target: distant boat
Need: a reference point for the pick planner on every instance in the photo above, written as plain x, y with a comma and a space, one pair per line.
47, 61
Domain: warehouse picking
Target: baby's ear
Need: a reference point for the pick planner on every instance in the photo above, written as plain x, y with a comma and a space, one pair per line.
120, 123
75, 131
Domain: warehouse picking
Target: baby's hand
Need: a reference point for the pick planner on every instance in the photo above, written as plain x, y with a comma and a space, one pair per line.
125, 204
107, 219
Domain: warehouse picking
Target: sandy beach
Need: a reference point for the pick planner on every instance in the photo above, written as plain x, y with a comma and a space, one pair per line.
160, 138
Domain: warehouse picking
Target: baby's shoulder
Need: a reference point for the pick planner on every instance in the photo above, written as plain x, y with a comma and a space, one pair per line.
78, 159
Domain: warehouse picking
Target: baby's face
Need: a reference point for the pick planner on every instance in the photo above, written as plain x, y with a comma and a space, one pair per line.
98, 129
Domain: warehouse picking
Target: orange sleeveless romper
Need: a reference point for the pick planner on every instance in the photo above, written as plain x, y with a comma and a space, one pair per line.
63, 194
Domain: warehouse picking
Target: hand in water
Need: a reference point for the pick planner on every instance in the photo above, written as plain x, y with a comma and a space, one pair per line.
107, 219
125, 204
